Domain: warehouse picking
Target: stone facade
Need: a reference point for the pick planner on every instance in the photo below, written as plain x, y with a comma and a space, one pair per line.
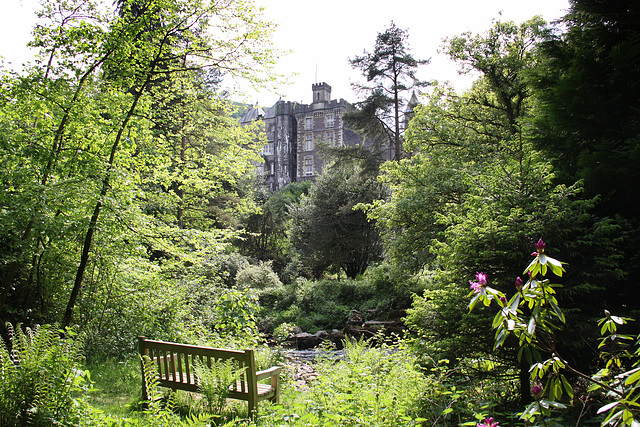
293, 131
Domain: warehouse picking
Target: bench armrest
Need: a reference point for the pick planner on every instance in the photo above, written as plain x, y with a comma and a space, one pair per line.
267, 373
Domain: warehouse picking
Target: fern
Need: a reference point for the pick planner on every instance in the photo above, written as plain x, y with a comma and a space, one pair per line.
39, 373
215, 382
151, 383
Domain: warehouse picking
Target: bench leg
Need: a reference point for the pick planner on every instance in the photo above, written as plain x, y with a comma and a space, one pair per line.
275, 385
253, 408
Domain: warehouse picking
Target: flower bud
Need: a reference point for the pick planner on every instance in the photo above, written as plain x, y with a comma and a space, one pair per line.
519, 283
536, 391
540, 246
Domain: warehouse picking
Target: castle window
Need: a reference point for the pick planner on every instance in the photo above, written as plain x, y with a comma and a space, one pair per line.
308, 142
330, 137
268, 149
308, 166
330, 122
308, 123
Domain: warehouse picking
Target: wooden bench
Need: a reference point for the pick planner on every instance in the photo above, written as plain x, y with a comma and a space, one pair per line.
176, 363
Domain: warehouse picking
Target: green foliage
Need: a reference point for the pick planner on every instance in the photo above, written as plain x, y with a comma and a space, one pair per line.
322, 304
327, 228
122, 158
236, 315
532, 315
258, 277
265, 235
41, 377
588, 118
372, 385
214, 382
587, 124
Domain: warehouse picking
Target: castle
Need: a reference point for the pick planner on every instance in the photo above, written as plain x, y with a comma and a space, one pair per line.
293, 131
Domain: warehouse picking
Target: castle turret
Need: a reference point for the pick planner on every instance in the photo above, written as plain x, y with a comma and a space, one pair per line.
321, 92
409, 112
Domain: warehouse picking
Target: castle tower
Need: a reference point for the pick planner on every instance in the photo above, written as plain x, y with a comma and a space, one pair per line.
321, 92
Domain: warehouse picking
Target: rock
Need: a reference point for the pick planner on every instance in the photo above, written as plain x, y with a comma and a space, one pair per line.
337, 338
355, 318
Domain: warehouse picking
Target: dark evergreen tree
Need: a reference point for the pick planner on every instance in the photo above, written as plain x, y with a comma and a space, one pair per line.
588, 81
589, 85
326, 229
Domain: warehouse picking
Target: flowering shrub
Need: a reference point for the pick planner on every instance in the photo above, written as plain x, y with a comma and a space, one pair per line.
488, 422
532, 315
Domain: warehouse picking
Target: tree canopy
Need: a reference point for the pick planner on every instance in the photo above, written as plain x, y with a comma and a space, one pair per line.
390, 71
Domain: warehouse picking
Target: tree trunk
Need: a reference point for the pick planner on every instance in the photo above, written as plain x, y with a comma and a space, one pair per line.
88, 239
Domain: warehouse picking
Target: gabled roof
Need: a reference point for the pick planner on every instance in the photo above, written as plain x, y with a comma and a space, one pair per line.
254, 113
271, 112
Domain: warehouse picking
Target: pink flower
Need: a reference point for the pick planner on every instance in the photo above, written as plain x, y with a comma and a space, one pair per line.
482, 278
536, 390
488, 422
481, 282
540, 246
475, 286
503, 300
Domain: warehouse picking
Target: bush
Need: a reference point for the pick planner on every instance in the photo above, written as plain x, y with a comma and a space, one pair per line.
259, 277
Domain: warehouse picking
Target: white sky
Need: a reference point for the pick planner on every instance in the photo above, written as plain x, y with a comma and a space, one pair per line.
324, 35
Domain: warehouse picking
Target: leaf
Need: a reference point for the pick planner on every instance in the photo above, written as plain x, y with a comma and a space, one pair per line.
634, 377
473, 301
557, 405
618, 320
567, 387
531, 328
557, 311
514, 303
531, 266
607, 407
555, 266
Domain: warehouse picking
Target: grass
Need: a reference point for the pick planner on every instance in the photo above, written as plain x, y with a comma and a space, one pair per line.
116, 386
380, 385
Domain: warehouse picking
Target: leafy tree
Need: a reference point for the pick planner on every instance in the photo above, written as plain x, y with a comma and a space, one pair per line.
329, 231
589, 122
391, 71
195, 125
589, 118
78, 139
475, 186
265, 233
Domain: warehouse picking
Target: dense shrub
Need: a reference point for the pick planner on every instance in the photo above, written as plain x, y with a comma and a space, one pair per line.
259, 277
325, 303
